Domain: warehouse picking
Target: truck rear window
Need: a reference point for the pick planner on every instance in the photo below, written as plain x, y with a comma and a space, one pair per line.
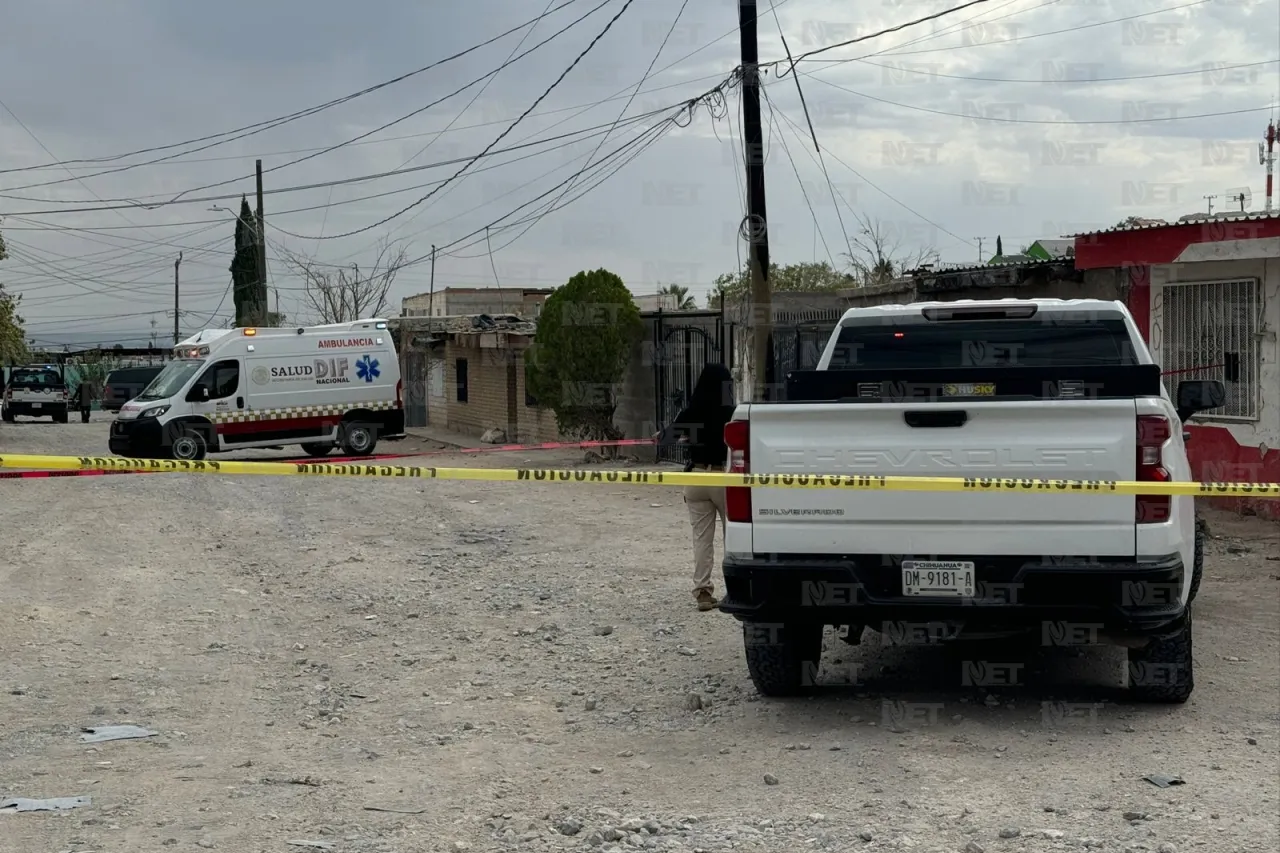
914, 342
36, 378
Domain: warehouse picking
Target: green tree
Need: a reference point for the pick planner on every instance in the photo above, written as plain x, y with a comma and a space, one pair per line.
585, 336
791, 278
680, 294
13, 337
249, 294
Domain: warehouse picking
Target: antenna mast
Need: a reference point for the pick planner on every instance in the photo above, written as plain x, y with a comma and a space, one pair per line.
1267, 158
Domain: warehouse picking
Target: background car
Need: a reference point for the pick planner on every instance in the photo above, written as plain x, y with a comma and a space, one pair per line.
125, 384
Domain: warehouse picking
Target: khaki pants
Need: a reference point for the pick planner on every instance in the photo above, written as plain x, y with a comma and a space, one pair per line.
705, 504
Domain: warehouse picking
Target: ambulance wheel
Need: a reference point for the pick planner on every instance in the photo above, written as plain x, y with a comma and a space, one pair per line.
317, 449
357, 439
187, 445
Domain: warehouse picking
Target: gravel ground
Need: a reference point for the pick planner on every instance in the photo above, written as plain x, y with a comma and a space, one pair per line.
520, 667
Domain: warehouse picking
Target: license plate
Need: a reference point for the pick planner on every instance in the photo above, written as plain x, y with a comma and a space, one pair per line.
36, 405
938, 578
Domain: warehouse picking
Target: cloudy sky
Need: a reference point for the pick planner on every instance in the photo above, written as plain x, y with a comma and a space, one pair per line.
1018, 118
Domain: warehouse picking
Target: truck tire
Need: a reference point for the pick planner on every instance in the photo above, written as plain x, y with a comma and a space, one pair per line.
60, 418
358, 438
781, 657
7, 416
317, 449
188, 445
1163, 670
1197, 568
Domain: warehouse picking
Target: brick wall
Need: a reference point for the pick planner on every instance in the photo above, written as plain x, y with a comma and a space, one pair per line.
495, 392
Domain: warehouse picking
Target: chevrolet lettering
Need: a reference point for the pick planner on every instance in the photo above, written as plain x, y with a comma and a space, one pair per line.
896, 393
925, 460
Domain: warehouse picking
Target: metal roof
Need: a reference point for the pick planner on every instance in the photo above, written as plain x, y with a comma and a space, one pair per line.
945, 269
1151, 224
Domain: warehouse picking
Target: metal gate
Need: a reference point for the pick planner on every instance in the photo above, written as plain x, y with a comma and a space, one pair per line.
681, 352
415, 388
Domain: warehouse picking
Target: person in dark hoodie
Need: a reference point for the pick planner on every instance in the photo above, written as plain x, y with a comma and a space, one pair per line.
700, 427
84, 399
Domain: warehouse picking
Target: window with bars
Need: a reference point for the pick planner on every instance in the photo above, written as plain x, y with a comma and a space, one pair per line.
1211, 331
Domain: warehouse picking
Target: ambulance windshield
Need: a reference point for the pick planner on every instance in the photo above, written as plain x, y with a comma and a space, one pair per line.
175, 375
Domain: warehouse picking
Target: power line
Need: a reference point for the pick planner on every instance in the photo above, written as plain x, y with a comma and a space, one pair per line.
1005, 120
501, 136
878, 189
649, 70
455, 129
341, 181
1039, 35
656, 132
279, 120
804, 192
301, 113
791, 63
342, 144
1080, 82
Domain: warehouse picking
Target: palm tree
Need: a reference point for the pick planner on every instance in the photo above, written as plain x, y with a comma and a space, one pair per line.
684, 302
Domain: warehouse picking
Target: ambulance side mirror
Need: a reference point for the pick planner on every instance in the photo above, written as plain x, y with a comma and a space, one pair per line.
199, 394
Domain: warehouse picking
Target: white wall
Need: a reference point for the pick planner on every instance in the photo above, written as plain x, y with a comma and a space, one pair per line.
1232, 260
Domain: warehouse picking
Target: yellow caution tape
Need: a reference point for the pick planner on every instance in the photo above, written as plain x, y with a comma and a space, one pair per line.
854, 482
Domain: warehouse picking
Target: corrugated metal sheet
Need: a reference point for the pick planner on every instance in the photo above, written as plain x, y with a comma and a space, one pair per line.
1150, 225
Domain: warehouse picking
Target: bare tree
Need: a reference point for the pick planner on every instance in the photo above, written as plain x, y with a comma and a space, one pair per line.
879, 255
341, 294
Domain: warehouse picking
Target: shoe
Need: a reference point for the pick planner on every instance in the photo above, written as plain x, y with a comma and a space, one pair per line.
706, 601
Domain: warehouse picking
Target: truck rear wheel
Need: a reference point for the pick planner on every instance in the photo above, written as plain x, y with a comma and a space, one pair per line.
358, 439
782, 658
1162, 671
7, 416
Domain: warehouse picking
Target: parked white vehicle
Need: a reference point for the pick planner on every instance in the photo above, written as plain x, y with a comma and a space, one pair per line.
1043, 389
231, 389
34, 391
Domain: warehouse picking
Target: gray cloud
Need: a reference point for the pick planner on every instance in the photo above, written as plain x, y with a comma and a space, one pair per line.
100, 79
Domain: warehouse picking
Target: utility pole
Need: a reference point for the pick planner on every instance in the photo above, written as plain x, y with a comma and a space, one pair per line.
176, 264
1210, 199
431, 309
262, 258
980, 255
761, 318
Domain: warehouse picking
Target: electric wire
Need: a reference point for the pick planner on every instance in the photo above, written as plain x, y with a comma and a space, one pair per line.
343, 181
268, 124
330, 148
878, 189
500, 137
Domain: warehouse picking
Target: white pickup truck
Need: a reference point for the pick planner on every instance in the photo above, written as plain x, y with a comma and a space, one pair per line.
1039, 389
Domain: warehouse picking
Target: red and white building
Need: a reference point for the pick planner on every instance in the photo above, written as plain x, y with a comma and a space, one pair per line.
1206, 294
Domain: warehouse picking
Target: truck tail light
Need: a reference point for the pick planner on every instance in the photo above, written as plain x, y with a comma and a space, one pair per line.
399, 390
1153, 432
737, 499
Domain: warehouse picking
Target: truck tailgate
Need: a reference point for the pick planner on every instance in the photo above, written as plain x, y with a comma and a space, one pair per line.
1055, 439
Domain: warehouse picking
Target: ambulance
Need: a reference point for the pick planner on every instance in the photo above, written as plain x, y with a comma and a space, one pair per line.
318, 387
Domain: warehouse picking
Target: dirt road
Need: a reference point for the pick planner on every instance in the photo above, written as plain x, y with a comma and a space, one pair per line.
502, 667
